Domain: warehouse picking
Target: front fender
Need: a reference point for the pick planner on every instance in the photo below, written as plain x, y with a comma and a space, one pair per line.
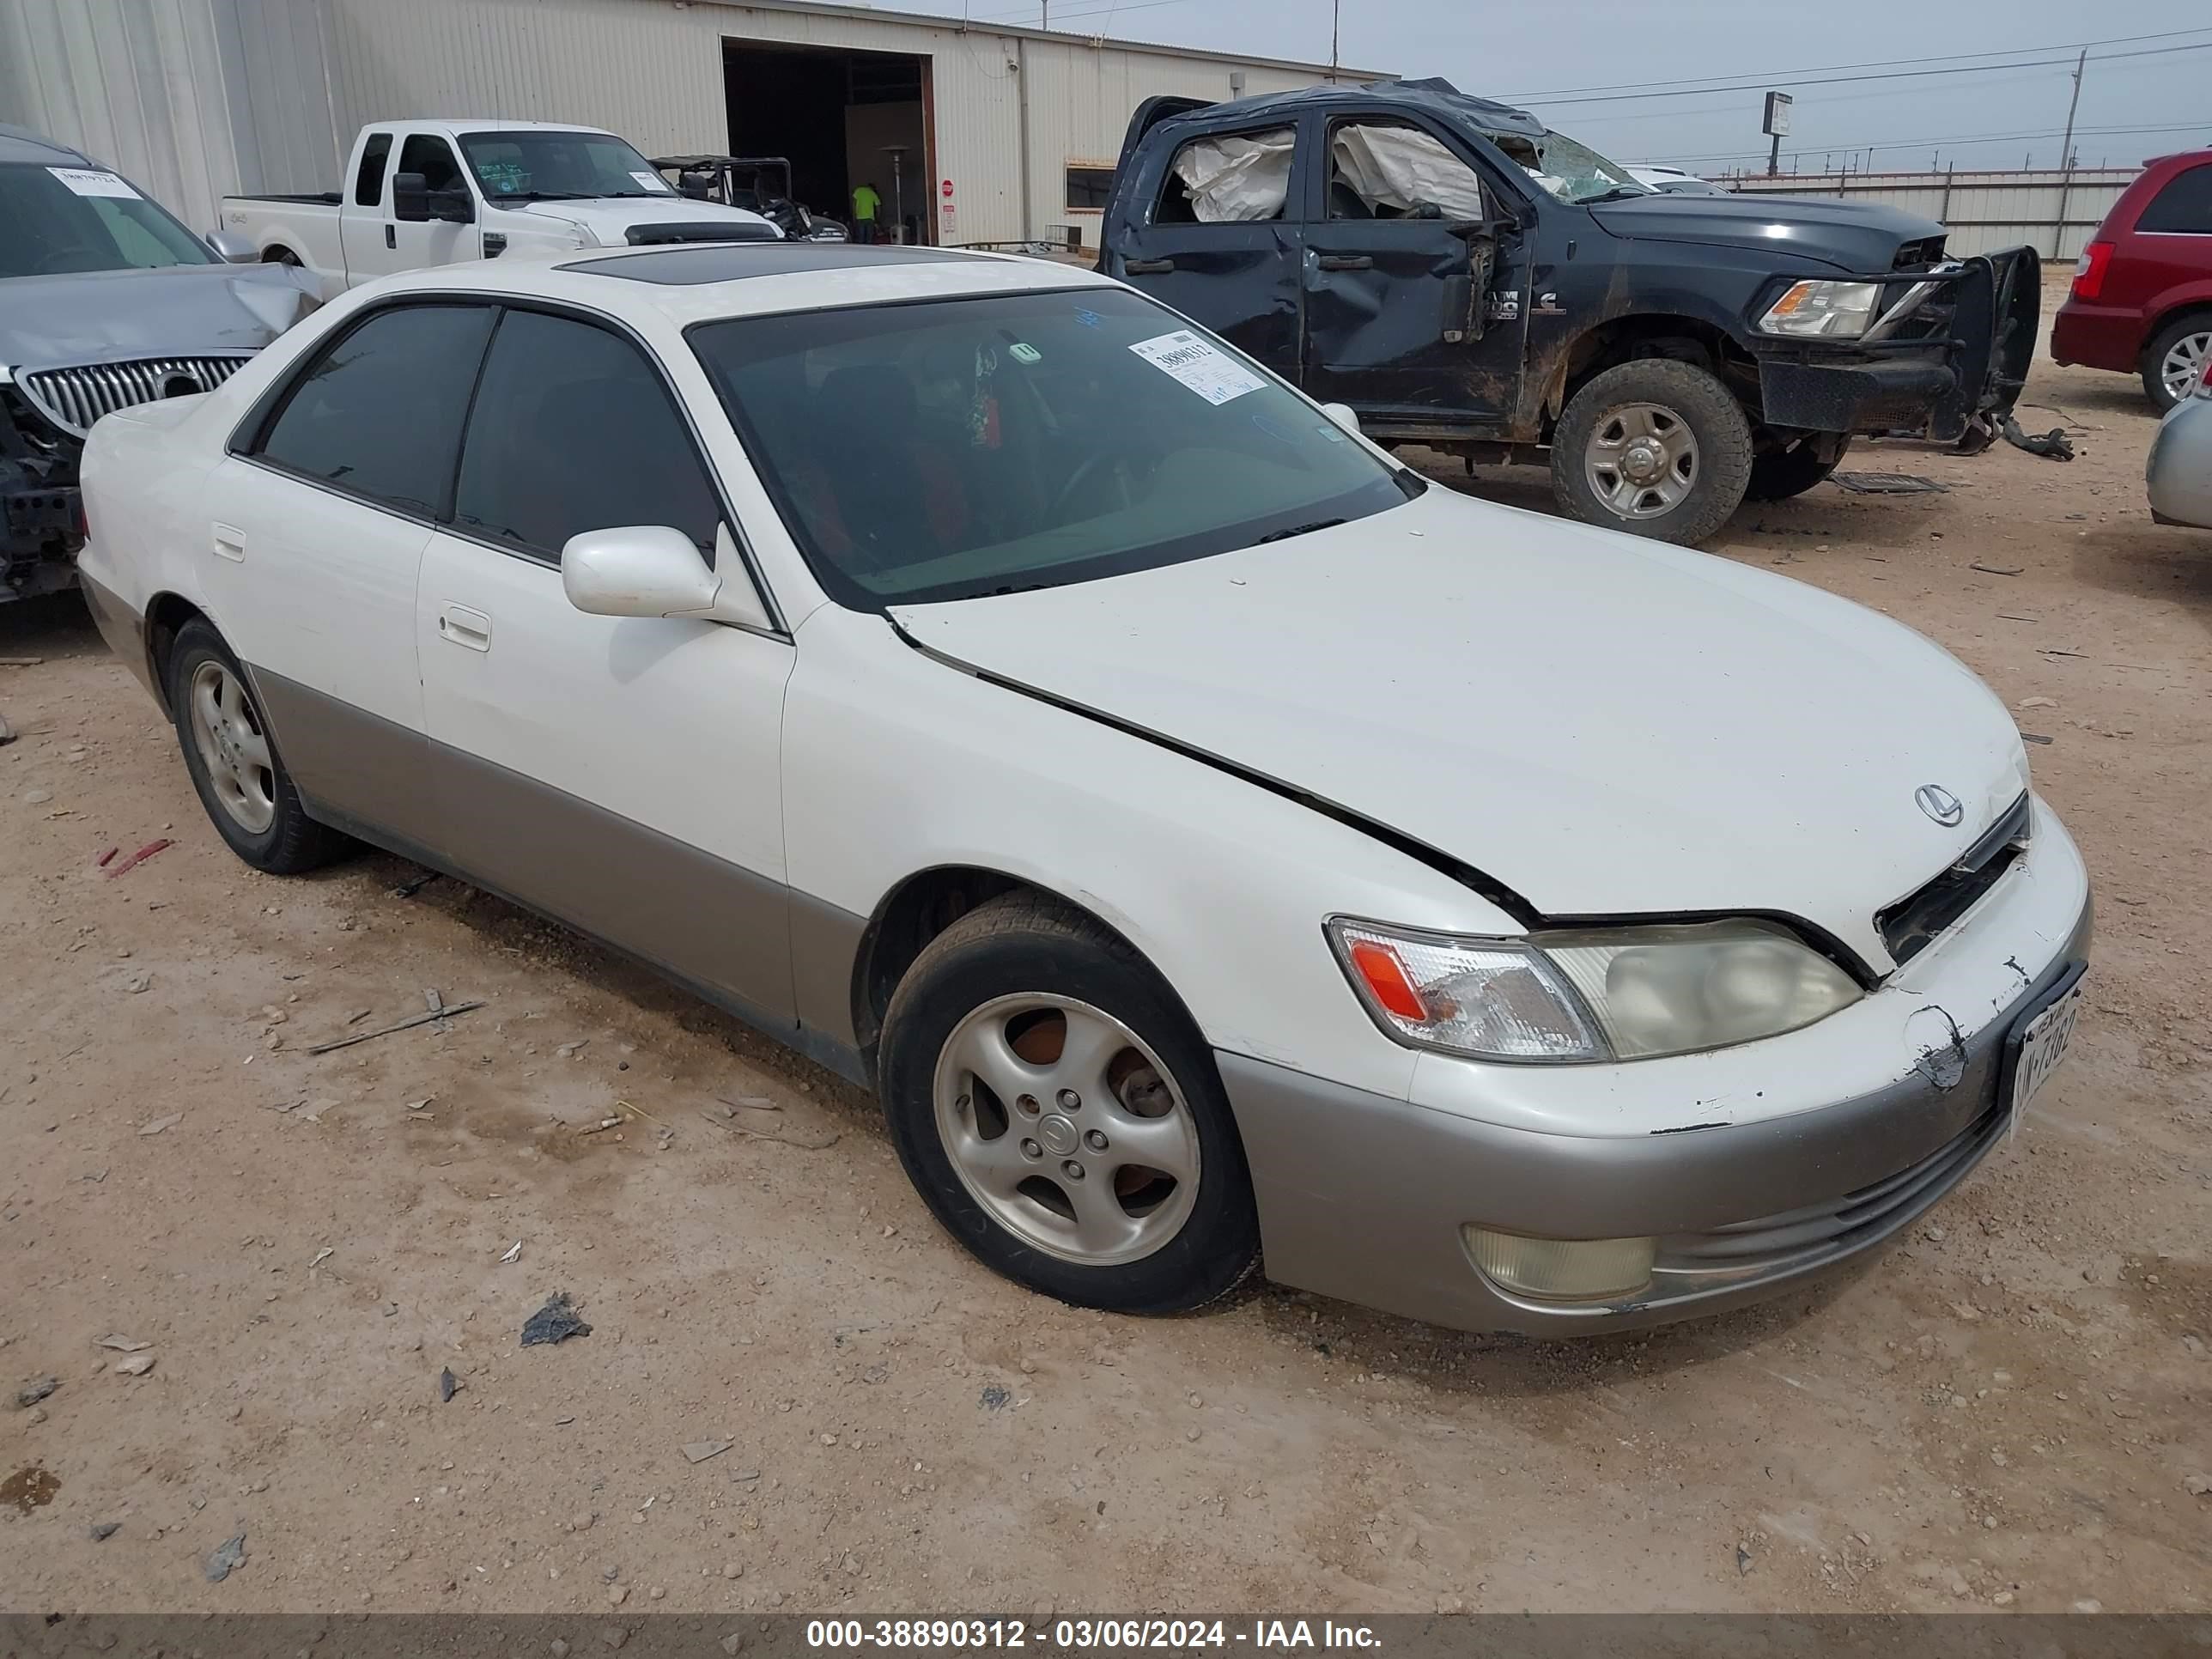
895, 762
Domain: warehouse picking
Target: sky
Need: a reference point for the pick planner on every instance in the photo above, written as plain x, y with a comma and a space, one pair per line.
1590, 68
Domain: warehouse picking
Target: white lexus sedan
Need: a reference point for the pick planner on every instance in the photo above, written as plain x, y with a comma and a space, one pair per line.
1212, 842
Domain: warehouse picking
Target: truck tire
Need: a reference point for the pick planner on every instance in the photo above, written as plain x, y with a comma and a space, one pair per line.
2175, 355
1781, 473
1655, 448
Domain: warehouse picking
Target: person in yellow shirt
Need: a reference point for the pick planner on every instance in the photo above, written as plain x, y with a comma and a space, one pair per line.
866, 205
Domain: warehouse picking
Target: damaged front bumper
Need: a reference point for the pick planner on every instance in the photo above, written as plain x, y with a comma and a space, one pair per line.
1753, 1168
1945, 359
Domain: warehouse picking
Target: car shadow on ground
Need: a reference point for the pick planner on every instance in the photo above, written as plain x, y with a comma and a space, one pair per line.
2139, 559
53, 625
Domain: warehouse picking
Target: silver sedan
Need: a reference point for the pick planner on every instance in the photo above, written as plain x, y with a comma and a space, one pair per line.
2179, 471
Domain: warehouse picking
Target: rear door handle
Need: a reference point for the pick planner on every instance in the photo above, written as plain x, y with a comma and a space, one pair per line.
1147, 267
391, 237
229, 544
1346, 262
462, 626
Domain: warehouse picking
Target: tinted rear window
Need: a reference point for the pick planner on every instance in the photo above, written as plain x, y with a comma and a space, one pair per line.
379, 413
2183, 204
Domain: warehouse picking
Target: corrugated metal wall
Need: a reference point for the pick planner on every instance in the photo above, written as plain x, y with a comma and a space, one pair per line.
653, 72
2053, 212
191, 98
198, 98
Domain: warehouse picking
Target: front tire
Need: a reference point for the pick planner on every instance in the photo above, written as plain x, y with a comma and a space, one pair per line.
232, 757
1061, 1116
1656, 447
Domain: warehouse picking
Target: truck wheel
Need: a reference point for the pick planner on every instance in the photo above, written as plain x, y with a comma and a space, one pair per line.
1782, 473
2175, 358
1654, 447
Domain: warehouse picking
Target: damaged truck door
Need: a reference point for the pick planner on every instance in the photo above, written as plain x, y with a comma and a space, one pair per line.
1412, 314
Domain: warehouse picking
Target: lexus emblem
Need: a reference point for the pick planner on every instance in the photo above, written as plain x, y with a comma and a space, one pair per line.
1940, 803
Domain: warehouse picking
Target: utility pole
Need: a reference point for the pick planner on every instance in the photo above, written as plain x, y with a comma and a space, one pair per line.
1335, 14
1044, 14
2066, 145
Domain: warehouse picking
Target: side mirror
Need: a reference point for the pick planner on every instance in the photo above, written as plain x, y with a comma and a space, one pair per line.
410, 197
453, 207
651, 570
1344, 414
232, 248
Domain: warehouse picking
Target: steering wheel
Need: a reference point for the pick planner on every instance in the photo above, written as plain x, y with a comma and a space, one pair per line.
1089, 465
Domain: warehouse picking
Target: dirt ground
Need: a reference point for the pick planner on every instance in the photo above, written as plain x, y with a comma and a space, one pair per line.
2007, 1409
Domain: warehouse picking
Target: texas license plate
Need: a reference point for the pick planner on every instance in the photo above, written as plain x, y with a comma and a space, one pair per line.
2042, 1041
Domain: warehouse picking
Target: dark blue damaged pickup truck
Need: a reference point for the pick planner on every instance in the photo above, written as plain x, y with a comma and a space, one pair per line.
1467, 279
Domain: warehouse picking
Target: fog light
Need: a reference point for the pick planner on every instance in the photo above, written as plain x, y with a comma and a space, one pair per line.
1563, 1269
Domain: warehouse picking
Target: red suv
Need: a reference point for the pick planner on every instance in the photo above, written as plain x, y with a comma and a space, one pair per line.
2142, 291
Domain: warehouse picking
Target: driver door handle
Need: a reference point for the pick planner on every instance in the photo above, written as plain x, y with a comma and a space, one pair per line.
460, 625
1147, 267
1346, 262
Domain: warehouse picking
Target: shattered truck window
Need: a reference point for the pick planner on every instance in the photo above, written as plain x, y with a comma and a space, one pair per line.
1229, 179
1570, 170
1387, 171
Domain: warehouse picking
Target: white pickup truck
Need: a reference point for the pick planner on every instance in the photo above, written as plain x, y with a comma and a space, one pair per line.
422, 193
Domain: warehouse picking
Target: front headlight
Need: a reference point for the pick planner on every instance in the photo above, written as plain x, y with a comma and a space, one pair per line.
1617, 994
1838, 311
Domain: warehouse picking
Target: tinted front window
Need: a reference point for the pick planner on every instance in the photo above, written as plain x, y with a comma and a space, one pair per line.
574, 431
968, 446
433, 159
2183, 204
525, 164
381, 413
56, 219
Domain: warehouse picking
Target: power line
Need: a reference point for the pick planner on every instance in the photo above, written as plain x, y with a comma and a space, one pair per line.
1893, 75
1954, 138
1691, 83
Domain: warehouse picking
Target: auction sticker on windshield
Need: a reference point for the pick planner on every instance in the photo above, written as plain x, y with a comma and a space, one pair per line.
1215, 377
650, 180
92, 181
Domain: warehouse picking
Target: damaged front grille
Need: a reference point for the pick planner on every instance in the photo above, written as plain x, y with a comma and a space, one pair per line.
1910, 924
1915, 255
73, 397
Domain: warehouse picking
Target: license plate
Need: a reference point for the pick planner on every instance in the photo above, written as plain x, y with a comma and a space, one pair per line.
2042, 1041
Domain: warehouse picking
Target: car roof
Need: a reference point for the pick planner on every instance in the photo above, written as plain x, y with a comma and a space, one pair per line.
1435, 94
22, 144
700, 282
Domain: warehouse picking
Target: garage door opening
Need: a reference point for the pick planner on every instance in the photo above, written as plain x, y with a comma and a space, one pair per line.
846, 119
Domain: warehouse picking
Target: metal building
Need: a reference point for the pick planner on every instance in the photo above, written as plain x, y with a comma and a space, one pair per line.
971, 132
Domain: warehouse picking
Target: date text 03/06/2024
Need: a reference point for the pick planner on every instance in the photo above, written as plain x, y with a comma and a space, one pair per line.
1075, 1635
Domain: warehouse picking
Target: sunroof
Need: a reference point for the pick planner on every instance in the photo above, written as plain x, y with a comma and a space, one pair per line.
726, 262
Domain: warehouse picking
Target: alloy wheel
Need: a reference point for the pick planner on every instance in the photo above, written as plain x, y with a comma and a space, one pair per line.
1641, 461
1067, 1129
226, 731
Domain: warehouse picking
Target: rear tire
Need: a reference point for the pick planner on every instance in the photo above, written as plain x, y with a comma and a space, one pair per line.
231, 757
1043, 1173
2174, 357
1656, 447
1782, 473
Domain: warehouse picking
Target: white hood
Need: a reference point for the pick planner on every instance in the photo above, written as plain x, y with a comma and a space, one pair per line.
607, 219
1606, 726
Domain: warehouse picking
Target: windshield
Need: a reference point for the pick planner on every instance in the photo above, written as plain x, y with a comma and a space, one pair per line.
531, 164
992, 444
58, 219
1569, 170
